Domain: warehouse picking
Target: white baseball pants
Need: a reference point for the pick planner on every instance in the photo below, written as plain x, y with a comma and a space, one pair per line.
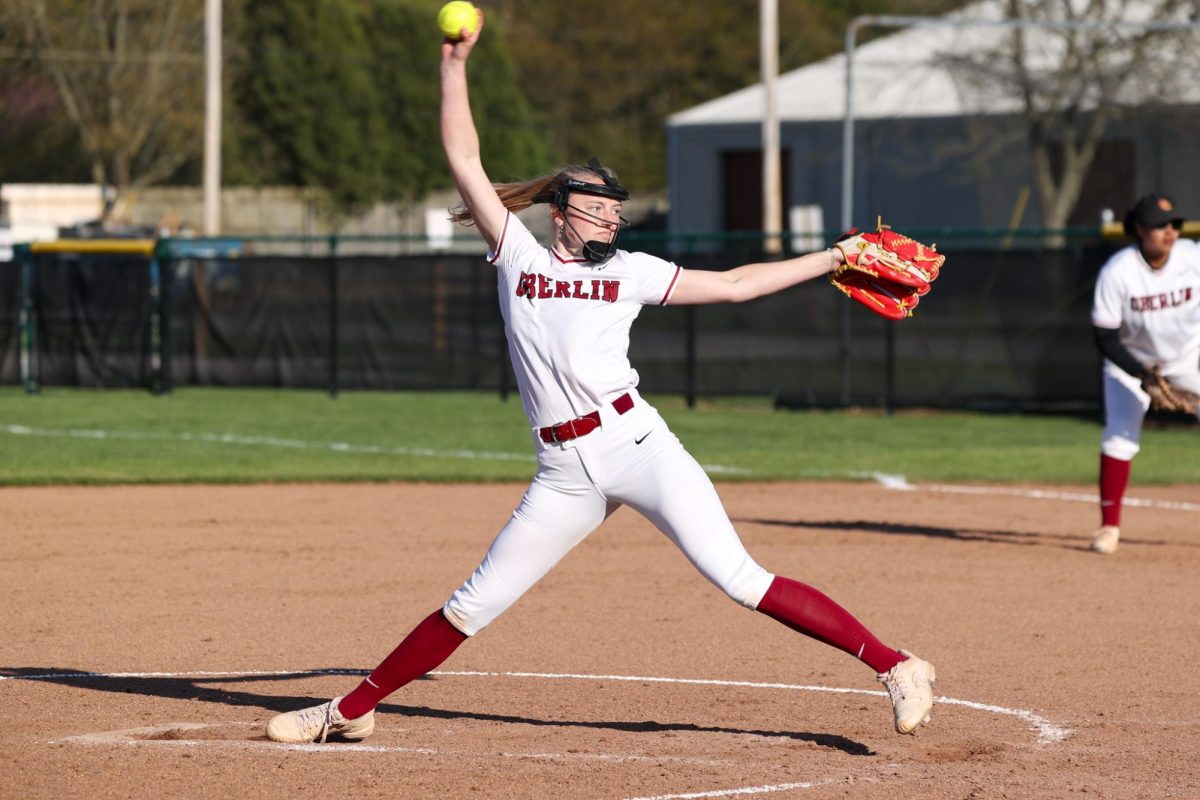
1125, 406
579, 484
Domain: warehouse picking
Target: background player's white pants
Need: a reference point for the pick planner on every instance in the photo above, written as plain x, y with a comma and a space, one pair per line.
578, 484
1125, 406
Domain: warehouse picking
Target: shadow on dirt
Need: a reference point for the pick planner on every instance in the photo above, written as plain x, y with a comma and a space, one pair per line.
217, 689
1023, 538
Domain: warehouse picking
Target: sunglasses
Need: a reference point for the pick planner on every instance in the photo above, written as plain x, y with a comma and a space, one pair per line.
1177, 224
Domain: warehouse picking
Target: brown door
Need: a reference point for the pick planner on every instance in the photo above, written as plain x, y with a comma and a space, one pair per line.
741, 173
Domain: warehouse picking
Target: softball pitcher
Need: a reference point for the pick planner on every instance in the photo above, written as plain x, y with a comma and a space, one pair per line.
568, 309
1146, 318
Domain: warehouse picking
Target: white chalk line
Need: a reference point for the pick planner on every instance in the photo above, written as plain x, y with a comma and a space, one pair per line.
149, 736
899, 483
260, 441
152, 736
779, 787
1047, 732
294, 444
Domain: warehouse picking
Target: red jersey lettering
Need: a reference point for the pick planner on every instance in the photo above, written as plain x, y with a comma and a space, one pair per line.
531, 285
1157, 302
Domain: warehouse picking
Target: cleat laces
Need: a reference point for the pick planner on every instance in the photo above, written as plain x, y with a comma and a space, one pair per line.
317, 718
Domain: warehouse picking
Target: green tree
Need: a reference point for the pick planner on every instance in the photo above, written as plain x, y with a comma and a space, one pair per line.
405, 51
307, 101
341, 95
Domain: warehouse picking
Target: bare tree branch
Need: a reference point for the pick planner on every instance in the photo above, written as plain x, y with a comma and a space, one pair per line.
1073, 83
137, 104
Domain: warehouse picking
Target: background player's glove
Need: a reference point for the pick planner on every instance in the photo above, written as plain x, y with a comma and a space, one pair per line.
885, 271
1166, 397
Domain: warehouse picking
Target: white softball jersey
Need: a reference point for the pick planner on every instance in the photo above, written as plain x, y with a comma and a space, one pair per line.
568, 321
1156, 310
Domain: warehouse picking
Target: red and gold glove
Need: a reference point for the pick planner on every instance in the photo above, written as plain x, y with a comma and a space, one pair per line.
886, 271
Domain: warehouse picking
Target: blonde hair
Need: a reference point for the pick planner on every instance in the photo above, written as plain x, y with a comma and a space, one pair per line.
520, 195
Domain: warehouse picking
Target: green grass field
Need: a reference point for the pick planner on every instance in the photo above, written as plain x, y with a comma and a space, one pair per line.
73, 436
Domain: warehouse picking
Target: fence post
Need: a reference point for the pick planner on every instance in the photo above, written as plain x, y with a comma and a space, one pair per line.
166, 285
28, 319
157, 362
333, 316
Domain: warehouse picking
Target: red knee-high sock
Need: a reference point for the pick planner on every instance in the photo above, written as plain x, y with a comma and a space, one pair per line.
804, 609
429, 644
1114, 477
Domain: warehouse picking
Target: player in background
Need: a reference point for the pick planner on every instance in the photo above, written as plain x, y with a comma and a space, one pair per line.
1146, 314
567, 310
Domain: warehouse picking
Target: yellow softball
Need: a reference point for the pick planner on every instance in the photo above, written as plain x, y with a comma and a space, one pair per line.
455, 16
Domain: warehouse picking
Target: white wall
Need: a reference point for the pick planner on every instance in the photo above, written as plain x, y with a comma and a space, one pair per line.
36, 211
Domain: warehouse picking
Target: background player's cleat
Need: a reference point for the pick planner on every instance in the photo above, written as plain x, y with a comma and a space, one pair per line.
309, 724
1106, 540
910, 685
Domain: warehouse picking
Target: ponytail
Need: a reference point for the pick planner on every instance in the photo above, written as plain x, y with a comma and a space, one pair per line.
521, 195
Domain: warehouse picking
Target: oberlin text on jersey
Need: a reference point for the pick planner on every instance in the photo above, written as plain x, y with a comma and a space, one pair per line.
533, 285
1155, 302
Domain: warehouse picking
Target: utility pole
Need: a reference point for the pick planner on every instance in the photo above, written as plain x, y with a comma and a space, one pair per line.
212, 117
772, 222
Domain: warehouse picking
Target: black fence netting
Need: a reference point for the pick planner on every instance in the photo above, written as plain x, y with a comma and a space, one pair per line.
1005, 329
10, 316
357, 322
90, 321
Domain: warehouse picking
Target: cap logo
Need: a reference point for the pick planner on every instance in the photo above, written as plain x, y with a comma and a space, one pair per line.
1165, 204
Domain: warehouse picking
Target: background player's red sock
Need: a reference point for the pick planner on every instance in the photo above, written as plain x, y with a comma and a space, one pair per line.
429, 644
1114, 477
804, 609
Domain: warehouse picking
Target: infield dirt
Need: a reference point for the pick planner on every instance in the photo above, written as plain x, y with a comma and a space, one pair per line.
151, 631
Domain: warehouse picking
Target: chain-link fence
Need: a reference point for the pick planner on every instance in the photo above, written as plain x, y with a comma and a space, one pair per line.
1006, 325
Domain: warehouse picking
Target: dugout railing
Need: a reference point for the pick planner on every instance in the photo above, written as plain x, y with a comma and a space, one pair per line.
1006, 327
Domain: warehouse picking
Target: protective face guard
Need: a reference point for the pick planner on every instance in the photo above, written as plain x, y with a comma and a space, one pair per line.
595, 251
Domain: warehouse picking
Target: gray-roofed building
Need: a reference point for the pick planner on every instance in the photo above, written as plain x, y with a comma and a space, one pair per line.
934, 148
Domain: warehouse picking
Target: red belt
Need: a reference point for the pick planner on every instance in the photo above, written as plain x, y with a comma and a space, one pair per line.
581, 426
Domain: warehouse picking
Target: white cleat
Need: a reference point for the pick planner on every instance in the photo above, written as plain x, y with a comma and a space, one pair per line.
1106, 540
910, 685
318, 722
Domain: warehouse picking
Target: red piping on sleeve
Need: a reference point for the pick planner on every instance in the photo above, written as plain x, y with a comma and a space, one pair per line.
671, 288
500, 242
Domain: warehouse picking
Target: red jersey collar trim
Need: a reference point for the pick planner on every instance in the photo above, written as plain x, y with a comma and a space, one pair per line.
575, 259
571, 260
